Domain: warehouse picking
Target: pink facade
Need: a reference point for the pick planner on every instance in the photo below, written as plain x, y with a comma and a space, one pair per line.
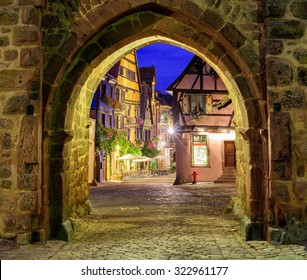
204, 133
216, 155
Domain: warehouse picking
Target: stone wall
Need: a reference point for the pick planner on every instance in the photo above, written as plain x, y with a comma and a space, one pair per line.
286, 63
23, 203
53, 53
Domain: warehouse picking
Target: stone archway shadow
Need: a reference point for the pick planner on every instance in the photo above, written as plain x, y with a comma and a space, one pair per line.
69, 90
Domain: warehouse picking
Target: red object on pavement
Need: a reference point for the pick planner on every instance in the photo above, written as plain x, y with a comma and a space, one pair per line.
194, 174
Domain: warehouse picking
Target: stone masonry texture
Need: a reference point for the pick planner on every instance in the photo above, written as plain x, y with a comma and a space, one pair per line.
52, 56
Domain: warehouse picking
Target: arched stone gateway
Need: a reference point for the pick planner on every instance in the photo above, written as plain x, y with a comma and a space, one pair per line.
44, 116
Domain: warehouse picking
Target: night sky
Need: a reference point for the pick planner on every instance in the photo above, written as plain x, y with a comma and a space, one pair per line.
169, 61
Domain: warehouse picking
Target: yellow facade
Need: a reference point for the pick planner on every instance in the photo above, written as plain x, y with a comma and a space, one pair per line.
128, 83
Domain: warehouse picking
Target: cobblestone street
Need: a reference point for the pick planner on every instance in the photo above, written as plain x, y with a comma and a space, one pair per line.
152, 219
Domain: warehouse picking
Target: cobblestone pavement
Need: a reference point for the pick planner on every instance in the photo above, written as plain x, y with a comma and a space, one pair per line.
151, 219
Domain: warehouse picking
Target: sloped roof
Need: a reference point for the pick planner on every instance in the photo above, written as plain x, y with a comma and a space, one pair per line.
164, 99
115, 70
198, 76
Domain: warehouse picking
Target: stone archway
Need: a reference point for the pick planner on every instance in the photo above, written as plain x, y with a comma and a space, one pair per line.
102, 37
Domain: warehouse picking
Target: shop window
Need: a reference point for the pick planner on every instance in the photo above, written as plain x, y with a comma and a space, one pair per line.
199, 151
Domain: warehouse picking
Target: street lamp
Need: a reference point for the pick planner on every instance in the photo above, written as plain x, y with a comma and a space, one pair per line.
171, 130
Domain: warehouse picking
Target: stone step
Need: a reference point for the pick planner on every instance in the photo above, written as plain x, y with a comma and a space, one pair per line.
229, 176
225, 180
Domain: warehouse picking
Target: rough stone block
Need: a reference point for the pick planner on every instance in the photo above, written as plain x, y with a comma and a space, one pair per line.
284, 29
232, 65
28, 182
29, 57
25, 36
17, 79
6, 184
300, 171
301, 149
53, 68
191, 8
28, 201
275, 8
280, 72
233, 35
10, 55
5, 170
53, 39
299, 9
6, 2
17, 223
302, 76
52, 21
6, 141
82, 28
30, 16
280, 192
23, 238
8, 203
300, 55
16, 105
294, 98
37, 3
300, 189
6, 123
90, 52
212, 19
274, 47
28, 142
101, 13
251, 57
8, 17
280, 145
4, 41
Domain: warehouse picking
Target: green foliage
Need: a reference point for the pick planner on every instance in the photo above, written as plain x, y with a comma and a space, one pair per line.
124, 145
149, 150
134, 150
153, 165
108, 139
173, 167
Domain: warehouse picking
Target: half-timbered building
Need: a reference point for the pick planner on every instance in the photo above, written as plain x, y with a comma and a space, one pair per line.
203, 130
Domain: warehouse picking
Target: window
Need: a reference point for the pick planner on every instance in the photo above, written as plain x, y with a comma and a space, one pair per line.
122, 96
147, 135
110, 121
199, 150
117, 95
197, 103
130, 75
138, 133
122, 122
103, 119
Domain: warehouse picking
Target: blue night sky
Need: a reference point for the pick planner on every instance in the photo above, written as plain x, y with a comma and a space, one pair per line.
169, 61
